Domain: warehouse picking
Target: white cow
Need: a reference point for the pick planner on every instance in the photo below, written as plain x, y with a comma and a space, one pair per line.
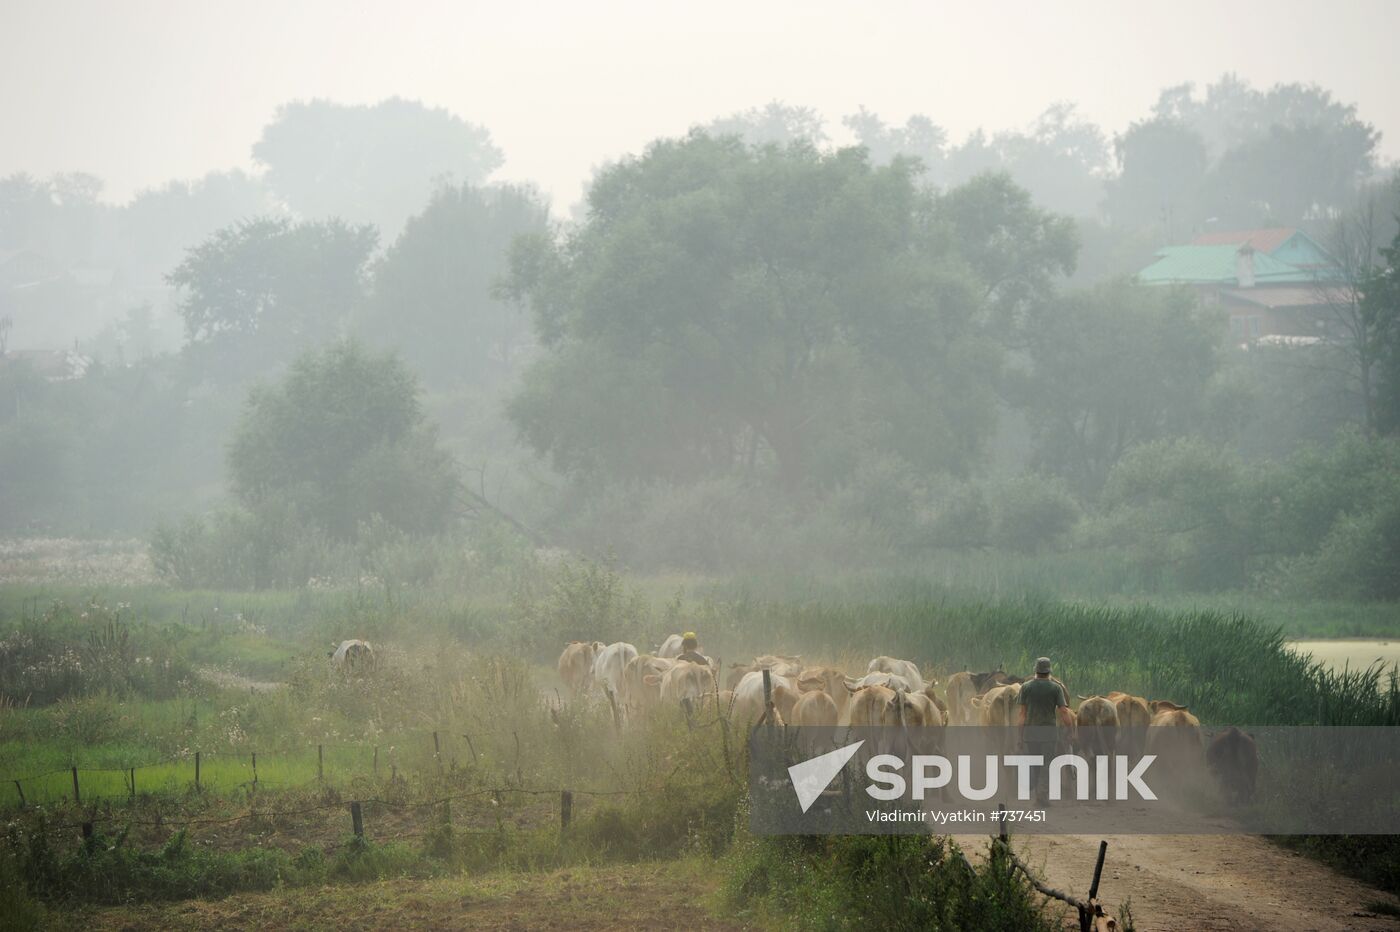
748, 705
353, 655
670, 648
904, 668
610, 666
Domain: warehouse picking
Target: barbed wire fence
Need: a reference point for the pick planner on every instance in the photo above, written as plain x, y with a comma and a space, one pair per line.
357, 774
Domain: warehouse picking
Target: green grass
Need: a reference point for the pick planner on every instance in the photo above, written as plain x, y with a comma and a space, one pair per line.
462, 666
1230, 667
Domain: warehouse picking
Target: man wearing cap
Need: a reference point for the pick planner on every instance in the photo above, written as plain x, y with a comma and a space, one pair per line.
1041, 700
690, 650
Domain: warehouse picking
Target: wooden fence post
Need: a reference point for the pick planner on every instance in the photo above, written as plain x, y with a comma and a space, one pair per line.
437, 753
321, 763
357, 820
87, 829
255, 768
768, 700
566, 809
196, 770
376, 762
77, 797
19, 789
612, 701
1098, 871
133, 782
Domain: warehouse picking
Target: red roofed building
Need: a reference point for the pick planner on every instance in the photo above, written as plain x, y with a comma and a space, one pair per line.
1271, 282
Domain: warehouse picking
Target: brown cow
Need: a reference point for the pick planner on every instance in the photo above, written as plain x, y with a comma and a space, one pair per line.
985, 682
1174, 735
1134, 715
780, 666
637, 695
815, 708
961, 690
683, 681
828, 680
1234, 760
1096, 726
576, 665
882, 706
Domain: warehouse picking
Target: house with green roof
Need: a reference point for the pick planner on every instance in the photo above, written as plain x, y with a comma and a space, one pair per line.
1270, 283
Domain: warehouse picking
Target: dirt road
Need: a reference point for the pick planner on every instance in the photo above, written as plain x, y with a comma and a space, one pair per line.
1180, 882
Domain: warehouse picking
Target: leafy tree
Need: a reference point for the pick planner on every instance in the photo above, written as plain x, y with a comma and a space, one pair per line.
158, 225
919, 138
370, 164
771, 311
1062, 160
1015, 249
58, 218
340, 441
1278, 156
1382, 309
1180, 507
433, 291
1363, 320
1162, 165
775, 123
257, 292
1109, 368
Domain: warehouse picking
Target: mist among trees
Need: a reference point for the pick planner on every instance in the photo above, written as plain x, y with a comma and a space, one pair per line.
773, 341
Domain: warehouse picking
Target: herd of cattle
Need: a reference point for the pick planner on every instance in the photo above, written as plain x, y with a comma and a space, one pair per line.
894, 692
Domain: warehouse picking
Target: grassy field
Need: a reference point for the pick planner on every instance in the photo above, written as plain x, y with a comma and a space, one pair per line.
108, 679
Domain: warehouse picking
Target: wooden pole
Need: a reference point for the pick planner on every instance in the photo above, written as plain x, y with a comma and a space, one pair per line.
357, 819
1098, 871
612, 701
196, 770
768, 699
321, 763
133, 782
566, 809
255, 768
77, 797
437, 753
20, 790
376, 762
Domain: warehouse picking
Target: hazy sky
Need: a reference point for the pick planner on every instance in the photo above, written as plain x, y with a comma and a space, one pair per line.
142, 91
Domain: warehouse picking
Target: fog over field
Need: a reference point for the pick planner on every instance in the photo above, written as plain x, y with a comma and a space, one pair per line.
356, 360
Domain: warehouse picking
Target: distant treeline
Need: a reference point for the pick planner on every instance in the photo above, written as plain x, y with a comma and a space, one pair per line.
750, 347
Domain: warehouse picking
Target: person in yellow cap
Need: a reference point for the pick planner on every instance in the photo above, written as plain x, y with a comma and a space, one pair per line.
690, 650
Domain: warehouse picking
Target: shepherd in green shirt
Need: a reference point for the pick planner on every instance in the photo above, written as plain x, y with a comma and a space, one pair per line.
1043, 706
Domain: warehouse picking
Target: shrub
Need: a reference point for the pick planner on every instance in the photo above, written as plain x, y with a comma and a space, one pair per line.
884, 881
1032, 513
